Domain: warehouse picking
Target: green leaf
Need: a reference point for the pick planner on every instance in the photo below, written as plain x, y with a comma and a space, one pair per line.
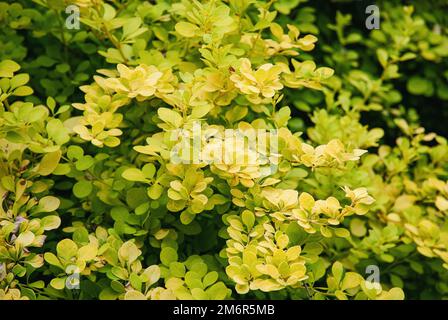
155, 191
351, 280
120, 273
49, 163
134, 174
23, 91
84, 163
210, 278
248, 219
75, 152
357, 227
37, 284
142, 209
7, 68
177, 269
170, 116
57, 131
128, 252
48, 204
119, 214
337, 270
66, 249
168, 255
58, 283
82, 188
52, 259
37, 114
50, 222
186, 29
200, 111
306, 201
117, 286
87, 252
341, 232
19, 80
25, 239
382, 56
134, 295
419, 86
149, 170
151, 275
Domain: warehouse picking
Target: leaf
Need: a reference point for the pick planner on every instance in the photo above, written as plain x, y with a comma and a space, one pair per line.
248, 219
324, 72
37, 284
66, 249
58, 283
441, 203
199, 294
52, 259
186, 217
57, 131
199, 267
134, 174
25, 239
128, 252
210, 278
63, 109
23, 91
168, 255
306, 201
7, 68
87, 252
82, 188
419, 86
155, 191
48, 204
51, 103
74, 152
19, 80
131, 26
120, 273
357, 227
177, 269
50, 222
151, 275
62, 169
337, 271
149, 170
170, 116
200, 111
341, 232
395, 294
109, 12
408, 56
134, 295
108, 294
351, 280
340, 295
49, 163
84, 163
382, 56
186, 29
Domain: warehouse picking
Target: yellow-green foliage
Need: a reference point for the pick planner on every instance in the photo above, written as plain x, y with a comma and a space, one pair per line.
94, 207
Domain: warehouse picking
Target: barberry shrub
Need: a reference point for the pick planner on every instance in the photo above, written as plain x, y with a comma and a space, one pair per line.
128, 168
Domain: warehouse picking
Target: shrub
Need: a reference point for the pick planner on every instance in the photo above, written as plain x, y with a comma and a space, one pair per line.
128, 168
